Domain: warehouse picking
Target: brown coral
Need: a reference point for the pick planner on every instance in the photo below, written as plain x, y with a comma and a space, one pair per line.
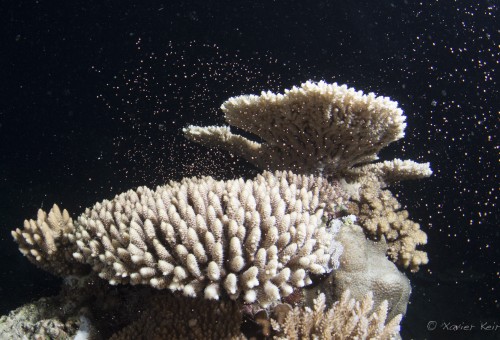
176, 317
380, 214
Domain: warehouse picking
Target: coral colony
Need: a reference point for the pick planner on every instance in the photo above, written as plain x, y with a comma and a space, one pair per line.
313, 247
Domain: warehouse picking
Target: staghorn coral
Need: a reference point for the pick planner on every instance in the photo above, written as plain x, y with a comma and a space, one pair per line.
346, 319
46, 240
317, 127
174, 317
380, 215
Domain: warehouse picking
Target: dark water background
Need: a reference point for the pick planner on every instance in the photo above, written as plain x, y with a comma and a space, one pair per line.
94, 93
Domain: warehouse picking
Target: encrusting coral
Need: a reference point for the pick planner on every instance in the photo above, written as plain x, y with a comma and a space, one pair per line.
260, 243
365, 268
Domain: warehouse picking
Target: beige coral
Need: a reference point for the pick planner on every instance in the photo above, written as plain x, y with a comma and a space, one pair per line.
336, 131
346, 319
47, 242
391, 171
317, 127
380, 214
257, 239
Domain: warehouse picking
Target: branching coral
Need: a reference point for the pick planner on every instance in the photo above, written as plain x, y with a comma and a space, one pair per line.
47, 242
259, 238
388, 172
380, 214
333, 130
346, 319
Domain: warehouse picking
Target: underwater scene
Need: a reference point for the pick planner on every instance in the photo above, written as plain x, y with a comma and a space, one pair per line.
250, 170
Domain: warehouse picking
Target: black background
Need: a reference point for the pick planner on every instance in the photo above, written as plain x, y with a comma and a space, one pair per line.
94, 93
